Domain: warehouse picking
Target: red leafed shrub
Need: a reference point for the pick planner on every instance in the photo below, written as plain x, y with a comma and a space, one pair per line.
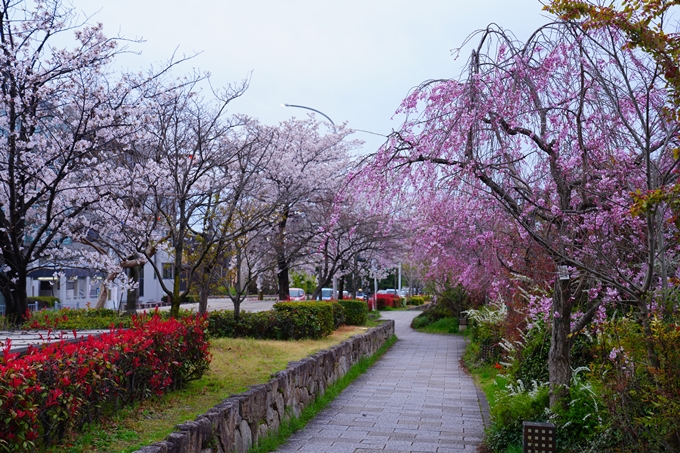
388, 300
54, 389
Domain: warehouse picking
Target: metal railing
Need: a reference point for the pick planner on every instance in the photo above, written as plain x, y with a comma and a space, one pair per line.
36, 307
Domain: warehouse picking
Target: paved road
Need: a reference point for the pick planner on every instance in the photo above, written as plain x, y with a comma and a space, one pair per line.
416, 398
250, 304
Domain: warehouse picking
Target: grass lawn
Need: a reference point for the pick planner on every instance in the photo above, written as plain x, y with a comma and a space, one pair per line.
444, 325
490, 380
236, 364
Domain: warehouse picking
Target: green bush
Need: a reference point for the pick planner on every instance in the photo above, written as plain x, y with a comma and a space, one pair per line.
264, 325
356, 312
416, 300
510, 411
583, 421
288, 321
421, 321
643, 401
485, 327
69, 319
43, 301
307, 319
190, 299
452, 300
442, 309
338, 313
531, 362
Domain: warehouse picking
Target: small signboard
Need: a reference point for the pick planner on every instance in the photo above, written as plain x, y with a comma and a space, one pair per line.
563, 272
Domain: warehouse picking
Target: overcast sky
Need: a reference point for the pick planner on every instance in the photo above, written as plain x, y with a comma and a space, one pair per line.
354, 60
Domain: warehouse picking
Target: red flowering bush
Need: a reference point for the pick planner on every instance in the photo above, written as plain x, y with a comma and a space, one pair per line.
388, 300
54, 389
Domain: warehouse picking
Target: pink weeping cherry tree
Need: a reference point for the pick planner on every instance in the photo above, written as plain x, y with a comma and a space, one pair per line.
548, 140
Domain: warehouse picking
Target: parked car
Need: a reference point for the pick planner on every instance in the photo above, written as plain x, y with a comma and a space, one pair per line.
296, 294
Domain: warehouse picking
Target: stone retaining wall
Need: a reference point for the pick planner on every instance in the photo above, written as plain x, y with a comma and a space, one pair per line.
240, 420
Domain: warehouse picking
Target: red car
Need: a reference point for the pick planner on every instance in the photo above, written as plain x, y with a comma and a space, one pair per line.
296, 294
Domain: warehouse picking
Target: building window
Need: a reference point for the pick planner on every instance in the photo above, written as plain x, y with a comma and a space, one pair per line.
167, 271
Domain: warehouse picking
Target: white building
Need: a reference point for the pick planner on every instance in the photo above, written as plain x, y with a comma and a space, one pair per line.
76, 288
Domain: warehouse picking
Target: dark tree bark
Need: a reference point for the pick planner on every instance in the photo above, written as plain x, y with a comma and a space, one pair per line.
133, 293
559, 356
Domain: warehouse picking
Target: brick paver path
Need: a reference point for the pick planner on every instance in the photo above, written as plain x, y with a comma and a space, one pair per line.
416, 398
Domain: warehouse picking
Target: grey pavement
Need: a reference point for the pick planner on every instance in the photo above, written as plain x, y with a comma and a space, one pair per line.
20, 340
416, 398
224, 303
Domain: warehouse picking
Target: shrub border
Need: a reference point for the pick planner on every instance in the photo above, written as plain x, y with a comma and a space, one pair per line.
240, 421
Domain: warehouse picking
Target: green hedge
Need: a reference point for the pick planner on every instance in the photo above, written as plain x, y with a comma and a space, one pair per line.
416, 300
309, 319
43, 301
288, 321
338, 313
69, 319
356, 312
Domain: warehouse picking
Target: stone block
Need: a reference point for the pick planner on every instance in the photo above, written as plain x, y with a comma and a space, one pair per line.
178, 443
243, 438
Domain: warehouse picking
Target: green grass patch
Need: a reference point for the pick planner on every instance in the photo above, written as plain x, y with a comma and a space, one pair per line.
273, 441
490, 380
442, 326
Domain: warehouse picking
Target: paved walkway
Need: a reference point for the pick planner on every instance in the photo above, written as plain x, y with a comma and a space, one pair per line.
416, 398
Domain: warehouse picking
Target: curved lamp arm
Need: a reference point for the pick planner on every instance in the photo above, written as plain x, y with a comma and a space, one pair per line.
313, 110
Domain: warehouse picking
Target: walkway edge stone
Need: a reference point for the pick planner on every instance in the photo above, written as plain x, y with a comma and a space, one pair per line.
237, 423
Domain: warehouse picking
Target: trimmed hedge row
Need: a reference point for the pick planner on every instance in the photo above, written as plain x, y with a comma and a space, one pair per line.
356, 312
43, 301
69, 319
57, 388
289, 320
416, 300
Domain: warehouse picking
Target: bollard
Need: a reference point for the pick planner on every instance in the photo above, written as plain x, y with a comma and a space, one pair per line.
538, 437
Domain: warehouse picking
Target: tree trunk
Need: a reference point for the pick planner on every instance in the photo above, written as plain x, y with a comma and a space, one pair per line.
104, 291
237, 306
176, 298
16, 305
281, 261
133, 293
203, 302
341, 287
282, 276
559, 357
652, 357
